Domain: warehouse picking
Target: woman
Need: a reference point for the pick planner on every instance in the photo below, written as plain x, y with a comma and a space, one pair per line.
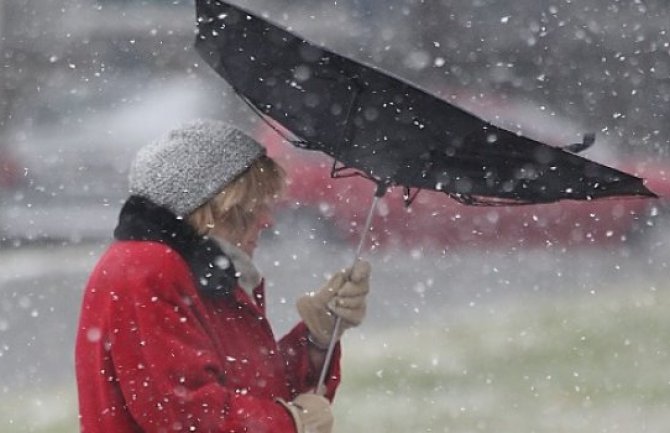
173, 335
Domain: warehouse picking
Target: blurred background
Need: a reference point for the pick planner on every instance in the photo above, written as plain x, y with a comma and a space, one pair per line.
547, 319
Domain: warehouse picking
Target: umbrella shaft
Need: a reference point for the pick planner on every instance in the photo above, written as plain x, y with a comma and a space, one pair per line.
321, 385
366, 229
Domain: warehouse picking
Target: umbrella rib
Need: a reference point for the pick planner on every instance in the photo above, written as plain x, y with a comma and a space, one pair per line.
410, 196
336, 172
348, 129
474, 200
300, 143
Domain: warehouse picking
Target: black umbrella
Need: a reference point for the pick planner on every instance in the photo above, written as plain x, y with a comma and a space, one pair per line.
385, 128
390, 131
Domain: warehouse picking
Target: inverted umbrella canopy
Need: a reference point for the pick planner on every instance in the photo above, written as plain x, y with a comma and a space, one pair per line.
387, 129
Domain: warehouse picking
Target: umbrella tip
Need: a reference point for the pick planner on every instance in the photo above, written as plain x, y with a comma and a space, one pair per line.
650, 194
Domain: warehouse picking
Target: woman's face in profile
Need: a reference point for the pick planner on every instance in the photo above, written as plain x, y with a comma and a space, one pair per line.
261, 218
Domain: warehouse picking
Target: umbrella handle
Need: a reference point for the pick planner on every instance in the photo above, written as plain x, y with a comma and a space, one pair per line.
321, 384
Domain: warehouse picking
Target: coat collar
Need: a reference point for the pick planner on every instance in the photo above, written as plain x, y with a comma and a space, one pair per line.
248, 276
142, 220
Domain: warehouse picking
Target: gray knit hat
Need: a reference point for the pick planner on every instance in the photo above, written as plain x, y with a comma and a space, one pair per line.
191, 164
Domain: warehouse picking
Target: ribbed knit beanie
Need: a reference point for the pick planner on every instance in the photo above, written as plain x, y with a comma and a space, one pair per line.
191, 164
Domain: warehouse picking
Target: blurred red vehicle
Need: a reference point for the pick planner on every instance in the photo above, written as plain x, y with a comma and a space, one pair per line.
10, 172
436, 221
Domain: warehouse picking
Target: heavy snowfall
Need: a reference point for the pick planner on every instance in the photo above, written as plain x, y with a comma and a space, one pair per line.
543, 319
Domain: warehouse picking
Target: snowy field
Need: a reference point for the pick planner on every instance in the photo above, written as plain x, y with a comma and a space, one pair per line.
464, 341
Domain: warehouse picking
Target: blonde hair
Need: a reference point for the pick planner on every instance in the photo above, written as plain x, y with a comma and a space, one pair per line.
234, 206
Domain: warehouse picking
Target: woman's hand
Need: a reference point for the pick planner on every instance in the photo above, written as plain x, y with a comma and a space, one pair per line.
344, 295
311, 413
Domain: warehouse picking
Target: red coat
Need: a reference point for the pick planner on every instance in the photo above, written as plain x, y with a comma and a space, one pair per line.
154, 354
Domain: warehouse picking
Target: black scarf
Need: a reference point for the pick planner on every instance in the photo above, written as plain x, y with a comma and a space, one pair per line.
143, 220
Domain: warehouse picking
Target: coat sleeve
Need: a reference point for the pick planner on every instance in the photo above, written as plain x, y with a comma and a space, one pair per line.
166, 366
303, 377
